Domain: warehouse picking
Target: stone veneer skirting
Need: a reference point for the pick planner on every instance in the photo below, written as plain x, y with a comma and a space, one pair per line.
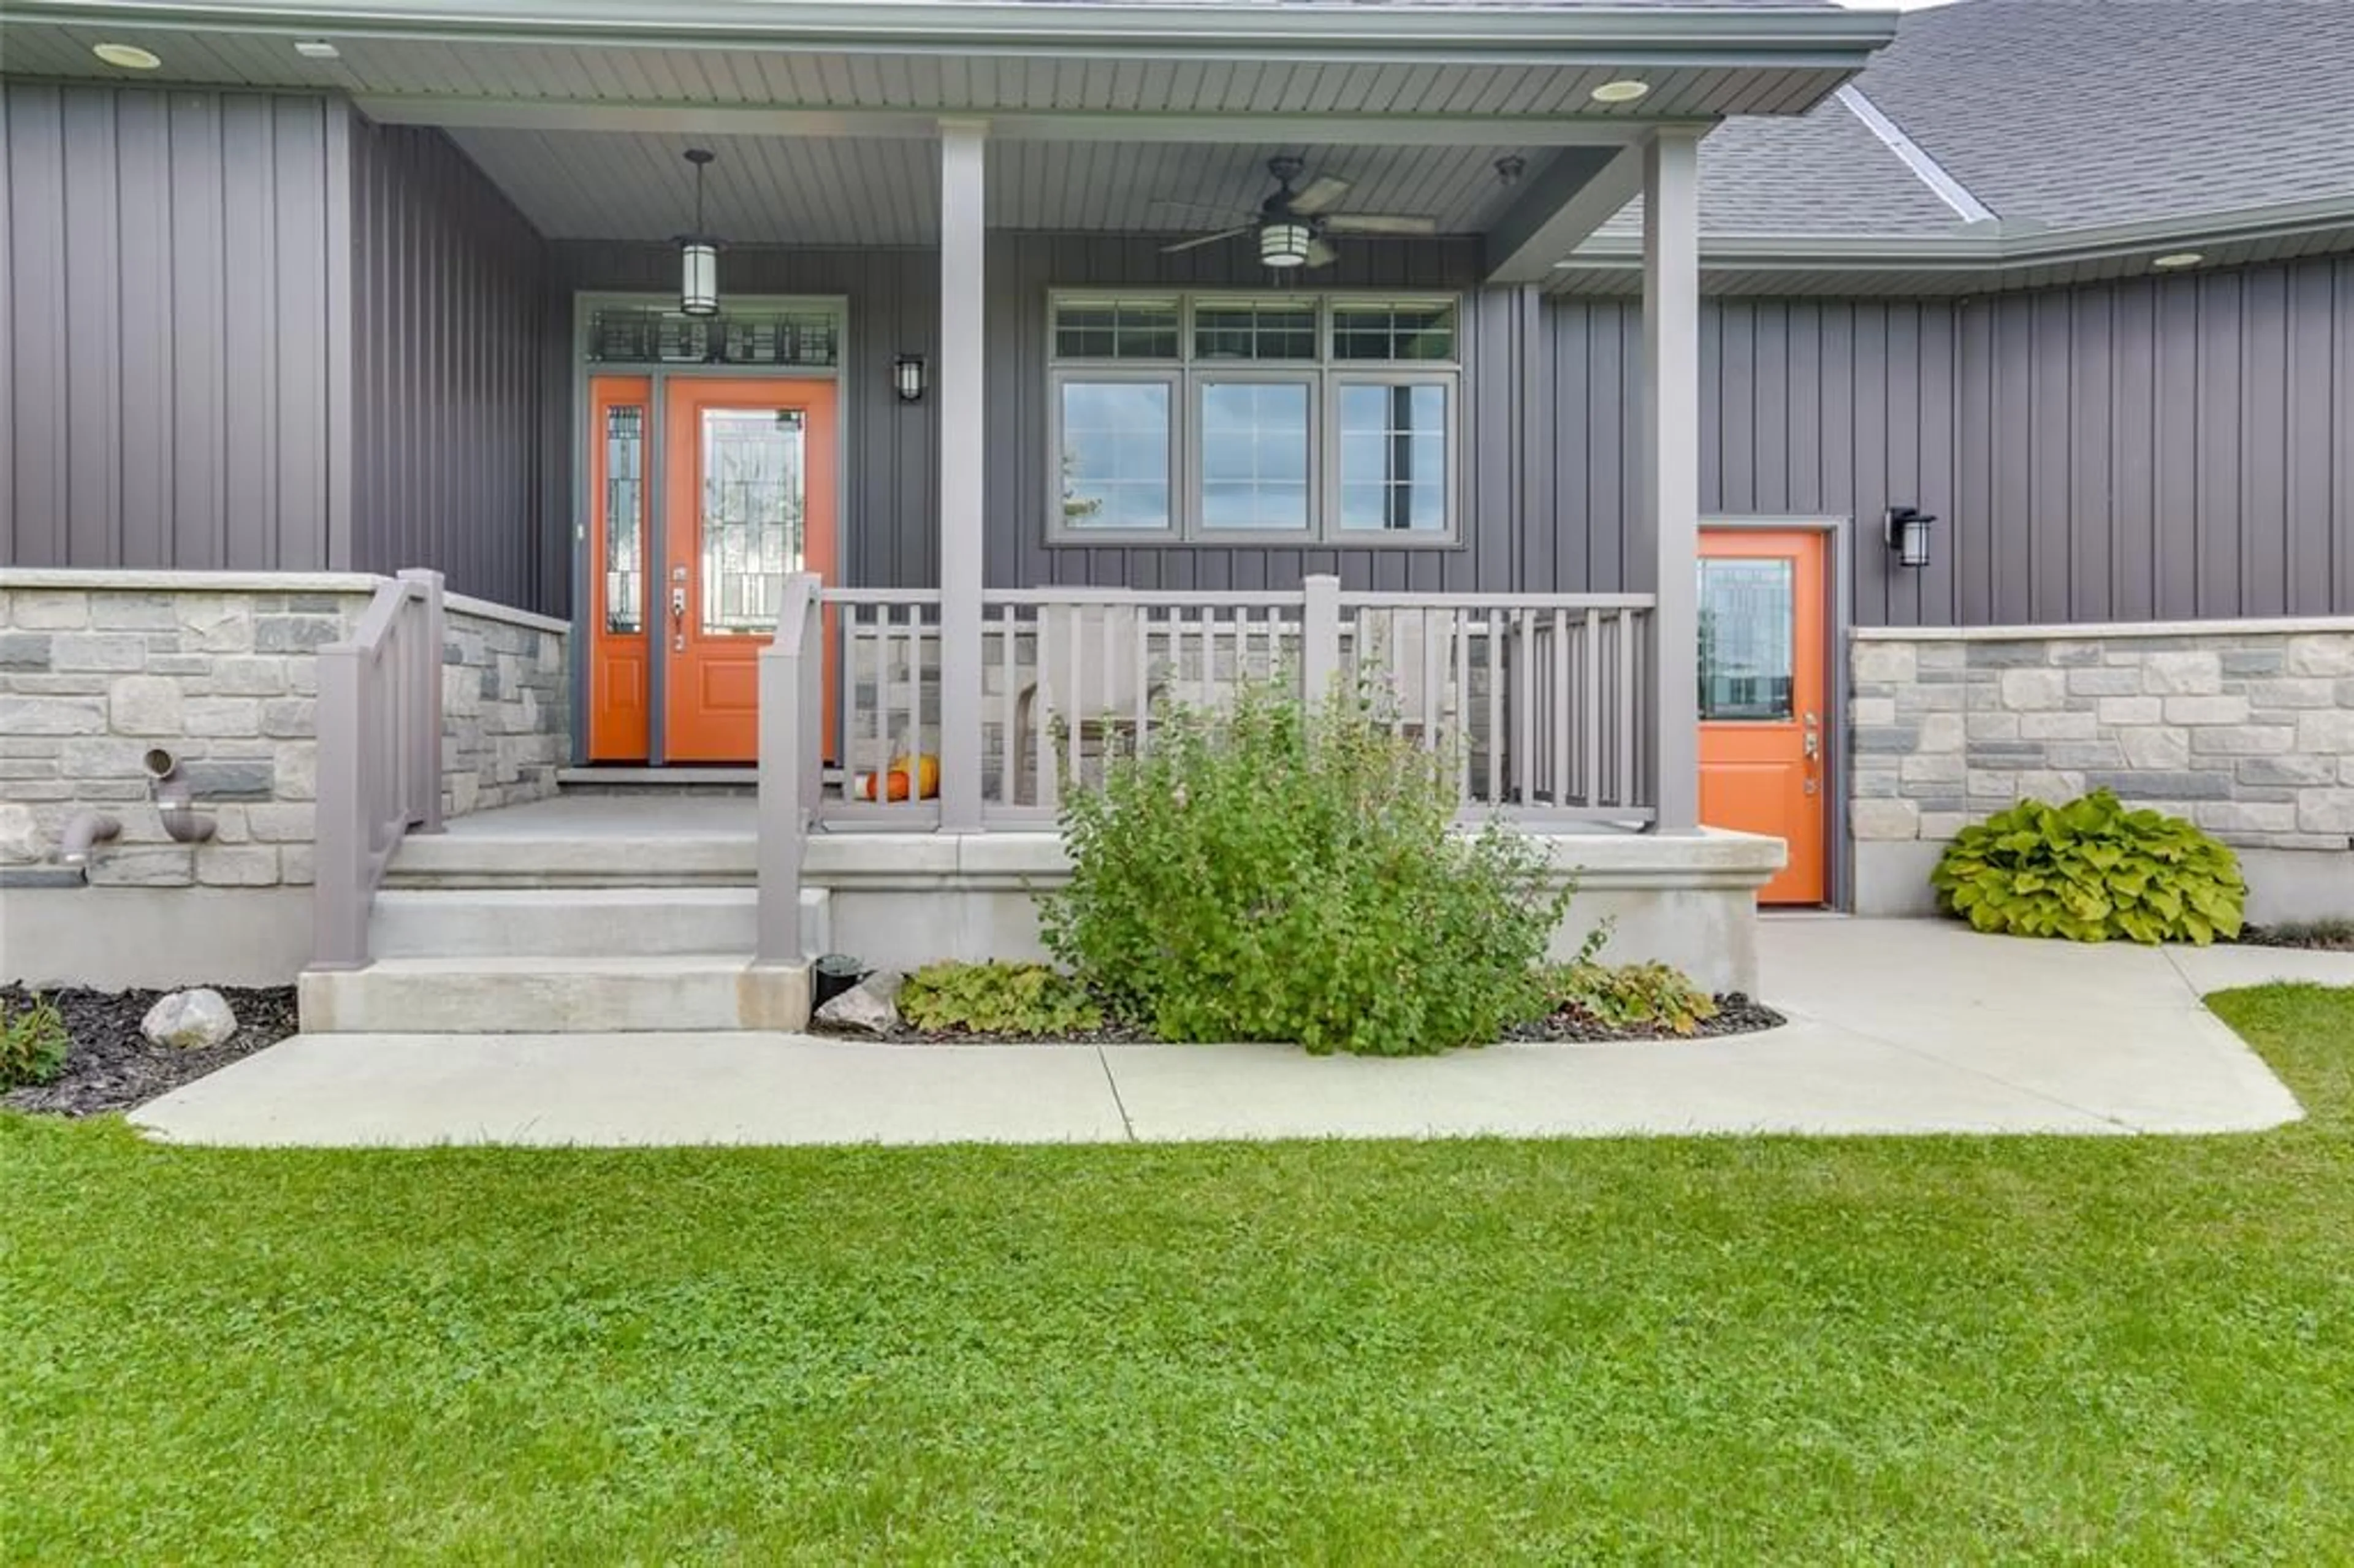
220, 669
2245, 727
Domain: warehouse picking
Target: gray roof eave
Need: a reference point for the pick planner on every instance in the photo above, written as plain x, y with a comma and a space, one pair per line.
1988, 245
1699, 36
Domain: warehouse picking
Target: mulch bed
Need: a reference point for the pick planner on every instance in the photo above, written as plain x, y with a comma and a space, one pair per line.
2330, 936
1736, 1014
111, 1067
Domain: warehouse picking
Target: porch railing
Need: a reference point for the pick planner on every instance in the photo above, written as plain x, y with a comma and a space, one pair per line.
1537, 697
379, 758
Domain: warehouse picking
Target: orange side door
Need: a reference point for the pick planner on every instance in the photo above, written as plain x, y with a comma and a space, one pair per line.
620, 678
749, 498
1763, 697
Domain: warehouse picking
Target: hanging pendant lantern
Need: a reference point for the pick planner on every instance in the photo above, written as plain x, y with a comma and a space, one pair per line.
698, 253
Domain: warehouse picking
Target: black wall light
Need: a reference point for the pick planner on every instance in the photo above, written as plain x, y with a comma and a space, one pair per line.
908, 377
1906, 531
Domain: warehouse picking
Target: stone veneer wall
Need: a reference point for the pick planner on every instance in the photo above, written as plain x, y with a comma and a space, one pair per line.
2245, 727
220, 670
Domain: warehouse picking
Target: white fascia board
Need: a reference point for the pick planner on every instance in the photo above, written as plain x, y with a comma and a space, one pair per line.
1831, 39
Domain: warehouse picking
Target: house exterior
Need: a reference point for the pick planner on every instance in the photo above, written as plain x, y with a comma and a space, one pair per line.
1606, 348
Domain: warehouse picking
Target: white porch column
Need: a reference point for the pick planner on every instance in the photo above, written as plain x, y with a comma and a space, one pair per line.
1671, 463
958, 387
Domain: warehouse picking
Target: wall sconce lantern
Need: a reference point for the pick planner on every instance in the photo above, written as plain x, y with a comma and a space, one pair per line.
698, 253
908, 377
1905, 529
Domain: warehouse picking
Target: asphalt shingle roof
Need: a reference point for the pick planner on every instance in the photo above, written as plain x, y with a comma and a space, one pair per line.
2081, 113
2057, 115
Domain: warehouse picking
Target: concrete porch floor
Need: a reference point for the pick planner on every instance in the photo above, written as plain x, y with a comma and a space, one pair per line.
1896, 1027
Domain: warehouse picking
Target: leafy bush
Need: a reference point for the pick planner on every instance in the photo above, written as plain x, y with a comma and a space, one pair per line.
33, 1044
998, 998
2091, 870
1271, 872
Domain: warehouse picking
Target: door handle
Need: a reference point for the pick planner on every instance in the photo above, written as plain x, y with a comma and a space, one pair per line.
1814, 745
678, 619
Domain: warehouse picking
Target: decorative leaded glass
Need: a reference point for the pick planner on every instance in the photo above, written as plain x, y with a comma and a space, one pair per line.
753, 494
625, 512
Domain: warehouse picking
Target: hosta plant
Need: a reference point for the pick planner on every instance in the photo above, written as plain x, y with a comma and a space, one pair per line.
2091, 870
998, 998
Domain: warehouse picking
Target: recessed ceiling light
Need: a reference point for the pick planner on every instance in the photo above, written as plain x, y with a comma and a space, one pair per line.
1626, 90
317, 49
129, 56
2174, 259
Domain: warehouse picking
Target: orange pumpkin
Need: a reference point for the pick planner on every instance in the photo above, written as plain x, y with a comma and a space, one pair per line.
920, 773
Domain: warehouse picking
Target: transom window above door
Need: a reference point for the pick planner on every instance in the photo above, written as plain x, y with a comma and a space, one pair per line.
1223, 418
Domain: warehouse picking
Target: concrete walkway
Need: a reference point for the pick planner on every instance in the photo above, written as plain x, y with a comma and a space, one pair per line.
1897, 1027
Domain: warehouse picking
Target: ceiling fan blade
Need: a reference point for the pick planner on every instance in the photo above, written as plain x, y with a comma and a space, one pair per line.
1321, 253
1201, 239
1321, 195
1377, 223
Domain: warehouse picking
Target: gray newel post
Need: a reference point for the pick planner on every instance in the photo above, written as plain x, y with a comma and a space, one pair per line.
424, 742
1670, 465
963, 238
1320, 655
792, 709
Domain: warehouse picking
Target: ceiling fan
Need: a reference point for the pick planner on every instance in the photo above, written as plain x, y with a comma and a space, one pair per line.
1292, 224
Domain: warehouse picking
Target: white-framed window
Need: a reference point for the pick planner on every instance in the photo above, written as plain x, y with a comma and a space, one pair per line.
1235, 417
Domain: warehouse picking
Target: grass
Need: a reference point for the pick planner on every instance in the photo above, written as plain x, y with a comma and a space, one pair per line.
1735, 1349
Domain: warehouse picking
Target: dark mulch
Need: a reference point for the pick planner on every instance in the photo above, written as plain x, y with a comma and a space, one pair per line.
1736, 1014
111, 1067
2324, 935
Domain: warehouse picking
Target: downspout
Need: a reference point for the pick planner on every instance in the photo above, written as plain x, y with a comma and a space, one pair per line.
82, 834
174, 801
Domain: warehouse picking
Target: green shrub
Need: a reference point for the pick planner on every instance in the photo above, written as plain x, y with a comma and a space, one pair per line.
1274, 873
998, 998
2091, 870
33, 1044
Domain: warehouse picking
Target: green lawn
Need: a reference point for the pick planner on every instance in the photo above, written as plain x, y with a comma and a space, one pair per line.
1733, 1349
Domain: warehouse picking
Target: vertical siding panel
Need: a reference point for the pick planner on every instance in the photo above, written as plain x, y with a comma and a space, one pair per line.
2341, 419
1802, 395
1937, 599
1900, 372
298, 140
1736, 406
249, 394
1611, 410
199, 335
1838, 409
2177, 457
2049, 458
2132, 457
37, 323
2263, 441
91, 386
1769, 443
1874, 486
2221, 329
1570, 326
1712, 412
1972, 538
144, 211
2011, 536
2088, 517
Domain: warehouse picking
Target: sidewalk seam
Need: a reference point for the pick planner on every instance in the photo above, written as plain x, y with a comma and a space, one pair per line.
1118, 1104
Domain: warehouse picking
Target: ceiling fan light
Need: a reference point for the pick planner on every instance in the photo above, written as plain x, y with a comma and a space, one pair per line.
1284, 244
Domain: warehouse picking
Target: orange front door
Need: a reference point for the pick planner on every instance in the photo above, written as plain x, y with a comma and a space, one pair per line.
748, 497
1762, 696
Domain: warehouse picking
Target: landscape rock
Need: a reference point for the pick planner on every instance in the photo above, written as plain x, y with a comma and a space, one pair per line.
870, 1007
190, 1020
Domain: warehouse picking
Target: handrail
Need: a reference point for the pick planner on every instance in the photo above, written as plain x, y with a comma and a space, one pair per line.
379, 758
792, 761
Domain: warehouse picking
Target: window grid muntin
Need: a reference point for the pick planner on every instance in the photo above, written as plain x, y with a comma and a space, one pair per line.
1186, 372
1171, 478
1399, 496
1202, 384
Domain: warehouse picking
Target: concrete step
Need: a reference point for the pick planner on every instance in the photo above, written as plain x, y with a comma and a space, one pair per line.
578, 922
675, 993
483, 861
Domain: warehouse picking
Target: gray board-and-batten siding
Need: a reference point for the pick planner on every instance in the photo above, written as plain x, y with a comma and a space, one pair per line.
185, 391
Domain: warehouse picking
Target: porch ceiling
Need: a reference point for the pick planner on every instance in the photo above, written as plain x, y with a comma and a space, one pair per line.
776, 190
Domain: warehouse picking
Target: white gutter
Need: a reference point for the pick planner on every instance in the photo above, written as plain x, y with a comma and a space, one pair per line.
1430, 33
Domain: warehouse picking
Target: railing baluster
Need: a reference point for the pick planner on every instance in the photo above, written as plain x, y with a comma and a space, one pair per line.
1142, 652
1009, 697
1524, 708
1558, 709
